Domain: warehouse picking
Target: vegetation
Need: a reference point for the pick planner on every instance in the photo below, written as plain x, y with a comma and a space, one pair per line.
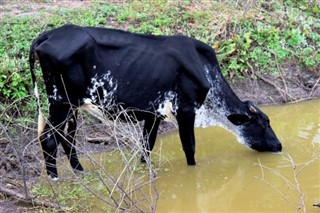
249, 37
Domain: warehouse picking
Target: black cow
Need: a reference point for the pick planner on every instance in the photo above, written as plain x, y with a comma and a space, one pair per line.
155, 77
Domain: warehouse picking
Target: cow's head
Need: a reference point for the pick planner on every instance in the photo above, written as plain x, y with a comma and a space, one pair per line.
254, 129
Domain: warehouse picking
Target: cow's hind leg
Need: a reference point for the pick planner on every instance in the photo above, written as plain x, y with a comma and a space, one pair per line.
150, 130
68, 143
52, 136
185, 118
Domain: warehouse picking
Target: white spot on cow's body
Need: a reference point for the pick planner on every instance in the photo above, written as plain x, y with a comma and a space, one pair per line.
165, 109
101, 90
55, 95
55, 90
168, 106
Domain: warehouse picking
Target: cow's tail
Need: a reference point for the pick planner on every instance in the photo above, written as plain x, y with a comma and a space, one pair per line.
32, 60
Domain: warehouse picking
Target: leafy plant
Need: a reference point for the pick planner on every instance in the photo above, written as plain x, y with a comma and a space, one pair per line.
246, 37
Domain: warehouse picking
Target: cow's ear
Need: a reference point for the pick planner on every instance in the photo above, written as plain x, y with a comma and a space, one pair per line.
238, 119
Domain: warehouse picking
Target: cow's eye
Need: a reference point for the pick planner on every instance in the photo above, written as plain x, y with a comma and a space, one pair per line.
266, 123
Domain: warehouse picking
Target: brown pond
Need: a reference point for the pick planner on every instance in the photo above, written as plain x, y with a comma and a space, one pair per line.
229, 177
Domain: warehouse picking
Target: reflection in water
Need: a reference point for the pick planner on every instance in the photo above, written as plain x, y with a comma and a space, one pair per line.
226, 178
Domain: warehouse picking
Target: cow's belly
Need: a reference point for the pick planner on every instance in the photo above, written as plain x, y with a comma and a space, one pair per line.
105, 115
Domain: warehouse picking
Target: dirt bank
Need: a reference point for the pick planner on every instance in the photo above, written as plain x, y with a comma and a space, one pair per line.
292, 85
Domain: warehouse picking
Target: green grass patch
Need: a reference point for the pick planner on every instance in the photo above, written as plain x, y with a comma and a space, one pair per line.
248, 37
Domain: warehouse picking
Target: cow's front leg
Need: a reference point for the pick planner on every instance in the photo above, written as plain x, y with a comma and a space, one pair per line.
150, 131
185, 118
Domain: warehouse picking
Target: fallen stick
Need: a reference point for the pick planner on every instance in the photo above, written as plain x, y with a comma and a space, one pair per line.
29, 200
98, 140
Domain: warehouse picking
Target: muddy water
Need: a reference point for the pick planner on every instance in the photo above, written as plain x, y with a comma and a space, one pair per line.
228, 177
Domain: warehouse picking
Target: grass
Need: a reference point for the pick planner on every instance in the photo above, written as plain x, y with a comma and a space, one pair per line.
248, 37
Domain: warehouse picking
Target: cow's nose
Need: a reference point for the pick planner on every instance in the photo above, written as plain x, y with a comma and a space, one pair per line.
279, 147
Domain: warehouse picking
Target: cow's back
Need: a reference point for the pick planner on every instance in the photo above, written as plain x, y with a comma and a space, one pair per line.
114, 66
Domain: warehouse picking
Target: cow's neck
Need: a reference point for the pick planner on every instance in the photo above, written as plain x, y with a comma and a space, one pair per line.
220, 102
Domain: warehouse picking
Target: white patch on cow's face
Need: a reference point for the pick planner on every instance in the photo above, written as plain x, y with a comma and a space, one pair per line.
168, 107
104, 84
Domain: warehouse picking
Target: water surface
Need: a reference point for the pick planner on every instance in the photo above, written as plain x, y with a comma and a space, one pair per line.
228, 177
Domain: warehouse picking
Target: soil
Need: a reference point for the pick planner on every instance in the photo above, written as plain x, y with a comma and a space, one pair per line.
293, 85
29, 8
21, 156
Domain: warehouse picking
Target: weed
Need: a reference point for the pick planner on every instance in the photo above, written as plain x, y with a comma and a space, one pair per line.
246, 38
66, 194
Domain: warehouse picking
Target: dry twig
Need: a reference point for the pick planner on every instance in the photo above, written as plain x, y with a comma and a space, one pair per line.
295, 176
292, 185
314, 87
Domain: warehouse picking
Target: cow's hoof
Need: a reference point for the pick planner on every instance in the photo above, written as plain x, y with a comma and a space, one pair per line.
53, 178
191, 162
78, 172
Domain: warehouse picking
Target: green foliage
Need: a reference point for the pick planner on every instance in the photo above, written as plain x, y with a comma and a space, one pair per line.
14, 45
312, 7
68, 193
246, 39
260, 46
